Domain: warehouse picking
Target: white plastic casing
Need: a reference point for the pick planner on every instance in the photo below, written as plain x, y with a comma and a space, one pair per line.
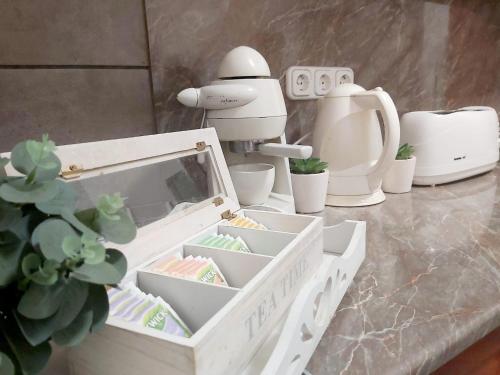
451, 145
263, 118
347, 135
243, 61
218, 97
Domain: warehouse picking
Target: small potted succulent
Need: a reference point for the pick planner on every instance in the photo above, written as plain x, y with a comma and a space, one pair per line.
309, 184
53, 261
399, 177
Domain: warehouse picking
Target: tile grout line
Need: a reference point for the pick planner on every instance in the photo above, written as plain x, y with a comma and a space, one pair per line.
148, 49
142, 67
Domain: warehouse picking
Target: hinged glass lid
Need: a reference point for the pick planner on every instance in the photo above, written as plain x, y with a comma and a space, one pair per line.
158, 189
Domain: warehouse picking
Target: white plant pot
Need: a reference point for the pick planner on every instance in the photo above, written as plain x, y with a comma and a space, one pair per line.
399, 177
309, 191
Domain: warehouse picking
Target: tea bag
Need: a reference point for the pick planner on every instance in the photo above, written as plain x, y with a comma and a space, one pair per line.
133, 305
226, 242
194, 268
161, 316
245, 222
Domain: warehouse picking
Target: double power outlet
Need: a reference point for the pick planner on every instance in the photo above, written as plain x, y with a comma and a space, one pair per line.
312, 82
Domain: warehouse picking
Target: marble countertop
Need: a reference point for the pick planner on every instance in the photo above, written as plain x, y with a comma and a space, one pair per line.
429, 286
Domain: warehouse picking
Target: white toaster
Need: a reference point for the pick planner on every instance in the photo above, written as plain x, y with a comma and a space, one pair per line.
451, 145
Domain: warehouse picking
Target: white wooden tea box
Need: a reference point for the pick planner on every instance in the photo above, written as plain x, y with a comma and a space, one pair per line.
279, 299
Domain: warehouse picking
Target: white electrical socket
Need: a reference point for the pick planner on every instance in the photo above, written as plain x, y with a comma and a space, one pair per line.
324, 81
312, 82
344, 76
299, 83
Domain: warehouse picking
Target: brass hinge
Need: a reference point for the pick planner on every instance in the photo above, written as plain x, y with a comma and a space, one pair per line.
218, 201
227, 215
200, 146
73, 171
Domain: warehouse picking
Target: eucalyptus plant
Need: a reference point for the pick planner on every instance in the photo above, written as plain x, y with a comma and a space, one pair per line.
53, 262
307, 166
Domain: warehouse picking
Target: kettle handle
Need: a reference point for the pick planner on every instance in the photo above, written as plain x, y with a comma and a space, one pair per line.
378, 99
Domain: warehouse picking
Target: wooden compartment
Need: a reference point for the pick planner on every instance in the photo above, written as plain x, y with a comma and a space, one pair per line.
262, 242
274, 221
194, 301
286, 287
173, 208
231, 327
238, 267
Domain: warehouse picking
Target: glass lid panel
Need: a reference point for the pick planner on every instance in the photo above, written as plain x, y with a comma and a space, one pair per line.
155, 191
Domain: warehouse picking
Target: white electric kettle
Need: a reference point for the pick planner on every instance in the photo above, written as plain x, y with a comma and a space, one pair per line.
348, 135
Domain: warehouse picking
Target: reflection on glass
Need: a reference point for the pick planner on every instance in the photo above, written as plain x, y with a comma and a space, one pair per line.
155, 191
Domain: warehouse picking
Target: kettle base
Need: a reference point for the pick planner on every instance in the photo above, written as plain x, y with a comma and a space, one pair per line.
376, 197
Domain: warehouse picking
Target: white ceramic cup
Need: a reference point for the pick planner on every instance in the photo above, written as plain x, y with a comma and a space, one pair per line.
253, 182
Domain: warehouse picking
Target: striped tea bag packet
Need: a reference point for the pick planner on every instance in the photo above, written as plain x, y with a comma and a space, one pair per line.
134, 297
207, 272
166, 263
225, 242
196, 268
245, 222
162, 317
133, 305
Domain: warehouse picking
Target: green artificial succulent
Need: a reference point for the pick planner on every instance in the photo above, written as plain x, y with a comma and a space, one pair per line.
53, 263
404, 152
307, 166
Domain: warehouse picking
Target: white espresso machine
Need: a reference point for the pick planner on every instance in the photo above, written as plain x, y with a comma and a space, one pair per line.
247, 109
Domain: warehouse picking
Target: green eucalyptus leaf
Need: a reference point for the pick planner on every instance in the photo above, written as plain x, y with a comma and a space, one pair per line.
42, 278
111, 271
36, 160
32, 359
9, 215
74, 297
21, 229
6, 365
99, 303
50, 235
76, 331
72, 246
63, 202
109, 206
40, 302
87, 219
47, 274
40, 152
37, 331
120, 231
94, 255
31, 262
18, 191
93, 251
79, 221
10, 255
